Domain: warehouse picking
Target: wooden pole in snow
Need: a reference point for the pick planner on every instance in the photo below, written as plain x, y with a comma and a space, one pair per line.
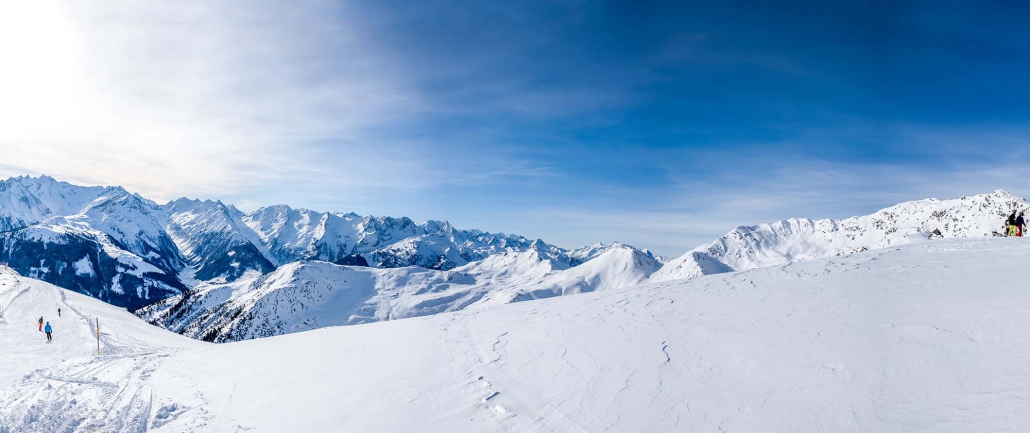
98, 336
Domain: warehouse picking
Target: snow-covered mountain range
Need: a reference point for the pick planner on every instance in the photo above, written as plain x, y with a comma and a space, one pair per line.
210, 271
129, 251
309, 295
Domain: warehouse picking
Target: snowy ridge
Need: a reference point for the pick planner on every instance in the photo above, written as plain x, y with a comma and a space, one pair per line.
302, 296
827, 345
794, 240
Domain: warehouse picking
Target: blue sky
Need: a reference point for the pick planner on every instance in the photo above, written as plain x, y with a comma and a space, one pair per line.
659, 124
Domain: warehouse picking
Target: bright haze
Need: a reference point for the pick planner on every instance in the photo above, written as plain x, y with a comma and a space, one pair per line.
662, 125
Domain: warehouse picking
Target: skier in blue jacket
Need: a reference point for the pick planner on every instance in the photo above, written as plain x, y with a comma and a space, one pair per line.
48, 330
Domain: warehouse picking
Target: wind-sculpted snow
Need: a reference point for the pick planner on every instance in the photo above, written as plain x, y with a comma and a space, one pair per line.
924, 337
308, 295
795, 240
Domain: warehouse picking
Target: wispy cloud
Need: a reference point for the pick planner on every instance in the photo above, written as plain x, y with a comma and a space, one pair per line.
216, 99
191, 98
658, 125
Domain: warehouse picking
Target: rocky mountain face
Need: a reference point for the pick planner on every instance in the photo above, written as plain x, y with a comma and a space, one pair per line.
131, 252
104, 242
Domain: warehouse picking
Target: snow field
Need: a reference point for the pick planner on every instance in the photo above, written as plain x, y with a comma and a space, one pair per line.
928, 337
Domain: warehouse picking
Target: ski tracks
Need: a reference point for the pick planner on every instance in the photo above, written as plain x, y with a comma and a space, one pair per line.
103, 394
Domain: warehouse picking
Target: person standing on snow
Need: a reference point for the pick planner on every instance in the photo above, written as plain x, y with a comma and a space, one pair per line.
48, 330
40, 323
58, 312
1020, 224
1010, 223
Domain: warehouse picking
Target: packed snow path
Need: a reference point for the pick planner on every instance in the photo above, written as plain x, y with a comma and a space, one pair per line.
71, 358
924, 338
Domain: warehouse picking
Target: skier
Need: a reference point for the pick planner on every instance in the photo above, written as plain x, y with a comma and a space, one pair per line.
48, 330
1020, 224
40, 323
58, 312
1010, 223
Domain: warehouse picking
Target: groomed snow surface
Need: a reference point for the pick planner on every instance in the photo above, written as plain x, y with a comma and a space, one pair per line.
927, 337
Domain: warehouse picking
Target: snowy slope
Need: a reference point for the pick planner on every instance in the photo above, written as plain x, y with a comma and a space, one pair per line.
925, 337
616, 267
795, 240
302, 296
23, 301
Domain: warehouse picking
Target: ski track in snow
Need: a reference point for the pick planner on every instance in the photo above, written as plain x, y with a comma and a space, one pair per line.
923, 338
63, 385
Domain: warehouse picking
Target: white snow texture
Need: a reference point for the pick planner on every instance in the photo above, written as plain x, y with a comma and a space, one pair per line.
924, 337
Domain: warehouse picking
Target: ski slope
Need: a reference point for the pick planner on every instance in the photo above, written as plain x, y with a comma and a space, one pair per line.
24, 348
927, 337
128, 347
